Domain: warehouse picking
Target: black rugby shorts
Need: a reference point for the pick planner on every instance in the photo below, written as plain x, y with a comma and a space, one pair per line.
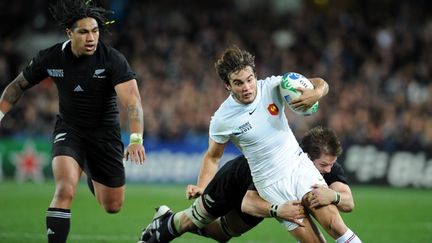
98, 151
222, 196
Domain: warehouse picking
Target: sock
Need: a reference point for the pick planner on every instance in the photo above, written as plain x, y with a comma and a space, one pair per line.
348, 237
180, 231
57, 224
171, 226
176, 222
166, 231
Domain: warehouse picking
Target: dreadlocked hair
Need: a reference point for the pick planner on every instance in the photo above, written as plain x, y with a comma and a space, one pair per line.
68, 12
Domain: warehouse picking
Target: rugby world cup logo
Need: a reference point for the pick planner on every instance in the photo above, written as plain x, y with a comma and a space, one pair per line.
294, 76
285, 84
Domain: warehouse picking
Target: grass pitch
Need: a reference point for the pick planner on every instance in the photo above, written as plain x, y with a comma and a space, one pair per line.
381, 215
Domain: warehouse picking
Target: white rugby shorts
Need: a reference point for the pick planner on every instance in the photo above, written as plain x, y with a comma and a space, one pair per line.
294, 185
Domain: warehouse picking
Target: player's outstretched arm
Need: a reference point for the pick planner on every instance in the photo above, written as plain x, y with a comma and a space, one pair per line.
210, 163
337, 193
129, 96
255, 205
12, 93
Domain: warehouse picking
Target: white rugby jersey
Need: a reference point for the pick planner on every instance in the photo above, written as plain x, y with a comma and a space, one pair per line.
260, 130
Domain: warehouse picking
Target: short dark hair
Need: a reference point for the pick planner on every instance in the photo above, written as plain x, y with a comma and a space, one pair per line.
321, 140
68, 12
233, 59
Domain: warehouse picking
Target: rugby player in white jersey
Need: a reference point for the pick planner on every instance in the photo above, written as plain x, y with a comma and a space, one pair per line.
253, 118
232, 206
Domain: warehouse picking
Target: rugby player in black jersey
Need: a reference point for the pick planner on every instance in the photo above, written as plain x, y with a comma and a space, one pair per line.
89, 76
229, 205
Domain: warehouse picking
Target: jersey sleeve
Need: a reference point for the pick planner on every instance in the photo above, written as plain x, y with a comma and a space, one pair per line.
337, 173
120, 68
36, 70
217, 132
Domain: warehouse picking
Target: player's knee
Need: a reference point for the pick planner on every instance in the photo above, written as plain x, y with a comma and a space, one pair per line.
111, 201
112, 210
327, 216
334, 225
337, 225
64, 193
112, 207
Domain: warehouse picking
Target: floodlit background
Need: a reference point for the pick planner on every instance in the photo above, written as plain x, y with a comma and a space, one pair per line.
375, 55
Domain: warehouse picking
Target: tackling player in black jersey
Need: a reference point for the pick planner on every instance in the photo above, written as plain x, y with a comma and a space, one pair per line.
230, 206
89, 76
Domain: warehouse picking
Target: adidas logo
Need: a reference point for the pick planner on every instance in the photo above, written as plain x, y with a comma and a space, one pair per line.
50, 232
78, 89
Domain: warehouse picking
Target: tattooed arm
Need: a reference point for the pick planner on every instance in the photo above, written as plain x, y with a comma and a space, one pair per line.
129, 96
12, 93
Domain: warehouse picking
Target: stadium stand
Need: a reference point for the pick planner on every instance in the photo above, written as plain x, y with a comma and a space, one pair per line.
375, 56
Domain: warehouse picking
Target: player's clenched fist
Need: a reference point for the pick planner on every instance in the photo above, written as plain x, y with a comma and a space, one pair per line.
193, 191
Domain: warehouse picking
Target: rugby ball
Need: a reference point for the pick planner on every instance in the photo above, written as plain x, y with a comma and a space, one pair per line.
288, 89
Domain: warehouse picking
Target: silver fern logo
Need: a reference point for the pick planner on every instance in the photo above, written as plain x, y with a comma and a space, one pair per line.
98, 73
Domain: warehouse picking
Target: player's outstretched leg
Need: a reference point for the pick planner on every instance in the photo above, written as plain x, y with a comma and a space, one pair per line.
329, 218
161, 228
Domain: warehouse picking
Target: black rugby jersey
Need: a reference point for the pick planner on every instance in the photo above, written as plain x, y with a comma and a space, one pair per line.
337, 173
85, 84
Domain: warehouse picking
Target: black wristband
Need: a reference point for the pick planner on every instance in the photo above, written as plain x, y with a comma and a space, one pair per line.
337, 199
273, 210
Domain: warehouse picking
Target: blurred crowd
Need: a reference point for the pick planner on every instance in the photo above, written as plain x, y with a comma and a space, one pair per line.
375, 55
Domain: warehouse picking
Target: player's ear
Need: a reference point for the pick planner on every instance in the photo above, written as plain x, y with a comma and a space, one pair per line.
69, 33
228, 87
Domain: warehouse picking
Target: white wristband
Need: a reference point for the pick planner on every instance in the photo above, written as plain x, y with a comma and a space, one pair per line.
136, 138
1, 115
